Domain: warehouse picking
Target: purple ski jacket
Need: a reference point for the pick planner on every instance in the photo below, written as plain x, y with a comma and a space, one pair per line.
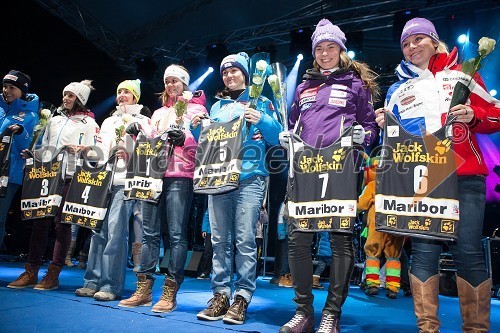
325, 105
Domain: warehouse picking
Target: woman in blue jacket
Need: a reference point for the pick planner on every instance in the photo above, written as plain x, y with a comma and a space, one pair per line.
19, 115
234, 215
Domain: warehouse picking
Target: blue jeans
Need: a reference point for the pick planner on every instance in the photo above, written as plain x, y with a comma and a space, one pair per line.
5, 206
108, 248
172, 209
467, 250
233, 221
323, 261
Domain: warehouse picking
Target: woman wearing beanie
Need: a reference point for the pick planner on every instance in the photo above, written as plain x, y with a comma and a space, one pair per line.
172, 209
104, 277
431, 70
18, 115
234, 215
334, 95
74, 129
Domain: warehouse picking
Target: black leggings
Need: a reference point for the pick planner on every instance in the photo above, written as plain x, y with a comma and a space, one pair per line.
301, 268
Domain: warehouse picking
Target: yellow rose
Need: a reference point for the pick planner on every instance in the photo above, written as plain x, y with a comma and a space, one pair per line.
126, 118
187, 95
45, 113
486, 46
261, 65
273, 80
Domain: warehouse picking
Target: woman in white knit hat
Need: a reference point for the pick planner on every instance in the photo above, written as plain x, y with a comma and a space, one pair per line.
172, 210
74, 129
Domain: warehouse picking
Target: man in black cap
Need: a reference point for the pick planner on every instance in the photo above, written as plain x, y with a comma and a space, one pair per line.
18, 115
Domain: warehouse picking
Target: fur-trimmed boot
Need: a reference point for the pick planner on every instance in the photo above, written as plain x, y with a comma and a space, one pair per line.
69, 255
136, 255
426, 303
316, 283
475, 305
82, 260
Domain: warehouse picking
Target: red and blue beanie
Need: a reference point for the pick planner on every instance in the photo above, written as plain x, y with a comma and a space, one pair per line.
239, 61
19, 80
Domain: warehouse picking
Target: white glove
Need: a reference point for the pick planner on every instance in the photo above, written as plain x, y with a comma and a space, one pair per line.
284, 138
358, 134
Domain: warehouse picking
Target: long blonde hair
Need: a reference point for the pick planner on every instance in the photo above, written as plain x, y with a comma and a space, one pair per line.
364, 72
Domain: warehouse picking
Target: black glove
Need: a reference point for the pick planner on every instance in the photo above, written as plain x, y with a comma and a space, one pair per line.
133, 129
176, 137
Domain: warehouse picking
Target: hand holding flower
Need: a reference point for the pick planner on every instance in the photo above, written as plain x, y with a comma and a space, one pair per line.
461, 91
181, 106
252, 116
39, 129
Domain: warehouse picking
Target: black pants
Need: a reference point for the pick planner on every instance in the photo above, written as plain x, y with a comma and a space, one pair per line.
206, 257
301, 268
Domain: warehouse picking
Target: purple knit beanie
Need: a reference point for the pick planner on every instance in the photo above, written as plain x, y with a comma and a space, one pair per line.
416, 26
327, 32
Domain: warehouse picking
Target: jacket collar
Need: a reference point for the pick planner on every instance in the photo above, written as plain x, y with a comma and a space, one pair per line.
437, 63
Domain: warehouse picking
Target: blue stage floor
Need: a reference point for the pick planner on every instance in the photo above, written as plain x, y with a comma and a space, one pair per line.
29, 310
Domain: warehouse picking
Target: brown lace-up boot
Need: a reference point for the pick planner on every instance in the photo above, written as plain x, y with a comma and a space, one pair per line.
143, 295
168, 300
51, 280
28, 279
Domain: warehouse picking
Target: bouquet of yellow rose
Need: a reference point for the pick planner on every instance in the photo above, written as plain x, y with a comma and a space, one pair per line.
278, 86
462, 90
120, 130
44, 115
259, 71
181, 106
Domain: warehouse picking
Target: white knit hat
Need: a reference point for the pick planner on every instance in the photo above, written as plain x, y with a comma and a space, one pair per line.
178, 72
80, 89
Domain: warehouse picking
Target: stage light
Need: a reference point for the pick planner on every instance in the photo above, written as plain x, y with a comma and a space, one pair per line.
291, 80
493, 92
351, 54
194, 85
300, 57
463, 38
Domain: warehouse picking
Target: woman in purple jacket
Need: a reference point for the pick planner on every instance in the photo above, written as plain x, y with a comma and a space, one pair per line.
334, 94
